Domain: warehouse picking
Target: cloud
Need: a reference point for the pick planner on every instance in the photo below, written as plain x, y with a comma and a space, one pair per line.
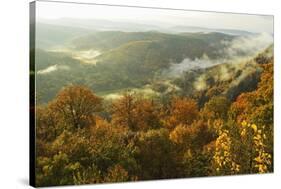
240, 49
52, 69
200, 84
248, 45
177, 69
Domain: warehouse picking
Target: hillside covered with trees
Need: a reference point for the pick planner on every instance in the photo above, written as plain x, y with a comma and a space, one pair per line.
205, 121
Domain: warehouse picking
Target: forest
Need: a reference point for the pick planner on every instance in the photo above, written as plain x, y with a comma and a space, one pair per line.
83, 139
119, 105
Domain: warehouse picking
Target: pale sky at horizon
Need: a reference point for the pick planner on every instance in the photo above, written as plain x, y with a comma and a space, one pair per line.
158, 17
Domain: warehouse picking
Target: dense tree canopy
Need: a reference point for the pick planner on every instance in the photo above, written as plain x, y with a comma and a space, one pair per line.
136, 137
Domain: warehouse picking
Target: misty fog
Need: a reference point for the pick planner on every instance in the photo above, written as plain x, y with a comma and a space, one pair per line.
240, 49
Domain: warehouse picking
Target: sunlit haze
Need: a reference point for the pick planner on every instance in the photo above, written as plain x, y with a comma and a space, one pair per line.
157, 17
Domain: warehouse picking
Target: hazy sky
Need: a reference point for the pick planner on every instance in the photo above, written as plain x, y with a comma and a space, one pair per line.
160, 17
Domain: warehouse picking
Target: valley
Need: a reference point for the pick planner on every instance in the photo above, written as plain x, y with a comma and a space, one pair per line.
149, 63
158, 97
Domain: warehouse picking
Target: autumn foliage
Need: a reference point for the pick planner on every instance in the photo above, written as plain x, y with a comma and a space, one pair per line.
79, 141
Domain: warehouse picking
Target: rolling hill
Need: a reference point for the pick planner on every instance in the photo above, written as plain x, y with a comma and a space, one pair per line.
130, 60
